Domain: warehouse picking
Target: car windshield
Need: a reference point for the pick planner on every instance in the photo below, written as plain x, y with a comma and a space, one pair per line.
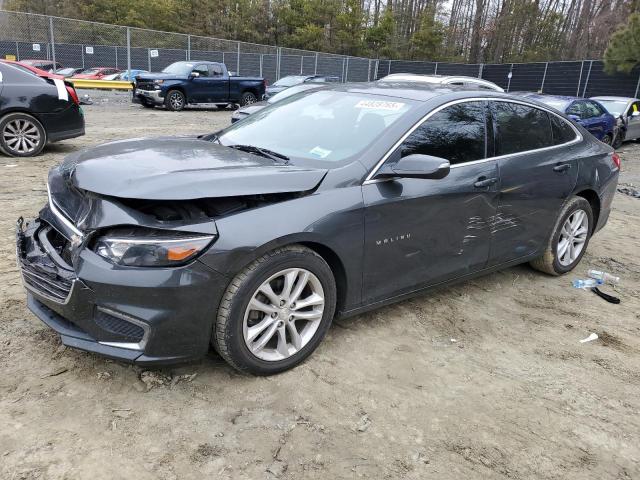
614, 107
323, 125
289, 81
179, 68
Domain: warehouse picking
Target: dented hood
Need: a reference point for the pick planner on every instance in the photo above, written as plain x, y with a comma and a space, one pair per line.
181, 168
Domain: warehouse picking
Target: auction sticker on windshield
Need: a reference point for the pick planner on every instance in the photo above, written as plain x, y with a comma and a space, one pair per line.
320, 152
379, 105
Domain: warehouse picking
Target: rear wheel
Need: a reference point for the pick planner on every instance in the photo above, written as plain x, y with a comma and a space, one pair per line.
569, 239
21, 135
247, 99
608, 139
175, 100
276, 311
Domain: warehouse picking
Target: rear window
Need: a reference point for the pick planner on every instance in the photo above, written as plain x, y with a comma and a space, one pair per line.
521, 128
562, 131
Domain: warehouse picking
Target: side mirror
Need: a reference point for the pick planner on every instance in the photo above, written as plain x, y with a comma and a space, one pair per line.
194, 74
416, 166
575, 118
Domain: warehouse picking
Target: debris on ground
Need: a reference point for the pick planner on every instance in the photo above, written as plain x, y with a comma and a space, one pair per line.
364, 424
590, 338
632, 192
56, 372
154, 379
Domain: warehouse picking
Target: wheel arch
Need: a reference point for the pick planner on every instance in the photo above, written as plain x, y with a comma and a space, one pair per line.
592, 197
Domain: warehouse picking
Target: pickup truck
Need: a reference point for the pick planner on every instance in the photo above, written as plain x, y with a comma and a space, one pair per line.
191, 82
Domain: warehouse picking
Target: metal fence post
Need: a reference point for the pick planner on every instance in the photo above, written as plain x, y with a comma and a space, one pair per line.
480, 70
369, 71
261, 60
128, 53
346, 71
637, 87
82, 55
115, 50
53, 43
375, 70
342, 71
188, 47
17, 52
149, 58
301, 63
278, 58
510, 75
435, 72
238, 61
389, 70
544, 77
580, 79
315, 68
586, 82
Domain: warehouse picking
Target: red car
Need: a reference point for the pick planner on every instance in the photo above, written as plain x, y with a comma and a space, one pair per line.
46, 65
96, 73
30, 68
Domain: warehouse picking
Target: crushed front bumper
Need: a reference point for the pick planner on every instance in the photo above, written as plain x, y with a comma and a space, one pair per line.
140, 315
151, 96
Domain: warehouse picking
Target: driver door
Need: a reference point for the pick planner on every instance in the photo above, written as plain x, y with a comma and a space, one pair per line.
200, 84
421, 232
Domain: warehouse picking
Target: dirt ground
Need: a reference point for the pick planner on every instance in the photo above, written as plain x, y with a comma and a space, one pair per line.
486, 380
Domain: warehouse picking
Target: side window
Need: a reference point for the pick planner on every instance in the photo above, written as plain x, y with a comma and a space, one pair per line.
216, 70
456, 133
593, 110
576, 109
562, 131
520, 128
635, 108
203, 70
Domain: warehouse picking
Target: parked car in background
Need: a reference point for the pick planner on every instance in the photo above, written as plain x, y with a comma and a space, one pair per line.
68, 71
35, 110
335, 201
31, 69
588, 113
46, 65
292, 80
256, 107
627, 113
192, 82
113, 76
460, 81
96, 73
124, 76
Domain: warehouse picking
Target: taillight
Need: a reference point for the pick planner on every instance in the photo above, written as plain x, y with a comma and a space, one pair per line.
616, 159
73, 94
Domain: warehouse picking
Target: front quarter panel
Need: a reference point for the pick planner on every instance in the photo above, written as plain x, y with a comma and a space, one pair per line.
330, 217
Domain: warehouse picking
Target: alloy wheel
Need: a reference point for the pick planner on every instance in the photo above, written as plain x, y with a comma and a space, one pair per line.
176, 100
21, 136
283, 314
572, 238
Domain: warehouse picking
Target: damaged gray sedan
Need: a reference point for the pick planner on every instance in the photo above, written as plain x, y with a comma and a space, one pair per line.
328, 203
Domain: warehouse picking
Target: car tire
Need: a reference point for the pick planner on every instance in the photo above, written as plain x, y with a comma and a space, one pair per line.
231, 336
556, 260
34, 135
247, 99
617, 142
607, 139
175, 100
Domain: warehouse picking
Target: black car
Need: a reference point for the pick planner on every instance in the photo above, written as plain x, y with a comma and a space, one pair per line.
35, 111
293, 80
330, 203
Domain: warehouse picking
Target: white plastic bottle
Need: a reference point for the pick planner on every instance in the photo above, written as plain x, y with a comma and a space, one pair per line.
604, 276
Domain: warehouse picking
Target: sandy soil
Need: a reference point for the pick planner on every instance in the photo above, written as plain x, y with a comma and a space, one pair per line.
483, 380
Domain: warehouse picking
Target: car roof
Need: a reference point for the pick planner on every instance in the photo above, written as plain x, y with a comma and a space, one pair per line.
616, 99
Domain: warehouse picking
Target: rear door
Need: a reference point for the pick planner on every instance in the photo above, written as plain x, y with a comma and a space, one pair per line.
633, 121
422, 232
537, 174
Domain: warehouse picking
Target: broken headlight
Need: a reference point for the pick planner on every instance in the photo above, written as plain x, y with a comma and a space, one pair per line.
150, 248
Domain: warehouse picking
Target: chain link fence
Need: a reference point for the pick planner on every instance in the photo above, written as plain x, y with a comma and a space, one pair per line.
83, 44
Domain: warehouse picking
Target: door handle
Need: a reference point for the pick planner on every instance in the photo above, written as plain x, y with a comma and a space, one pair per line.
485, 182
563, 167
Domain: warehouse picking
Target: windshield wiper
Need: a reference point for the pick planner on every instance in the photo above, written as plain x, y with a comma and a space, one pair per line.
265, 152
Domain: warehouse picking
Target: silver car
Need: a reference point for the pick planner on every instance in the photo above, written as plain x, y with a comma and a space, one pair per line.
627, 111
458, 80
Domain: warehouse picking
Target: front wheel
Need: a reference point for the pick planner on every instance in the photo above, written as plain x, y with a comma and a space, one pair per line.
617, 142
276, 311
569, 238
247, 99
175, 100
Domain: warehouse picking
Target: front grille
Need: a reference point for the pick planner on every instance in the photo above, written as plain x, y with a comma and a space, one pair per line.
119, 326
46, 283
144, 85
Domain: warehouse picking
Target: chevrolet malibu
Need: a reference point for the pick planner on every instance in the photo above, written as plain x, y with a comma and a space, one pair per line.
329, 203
